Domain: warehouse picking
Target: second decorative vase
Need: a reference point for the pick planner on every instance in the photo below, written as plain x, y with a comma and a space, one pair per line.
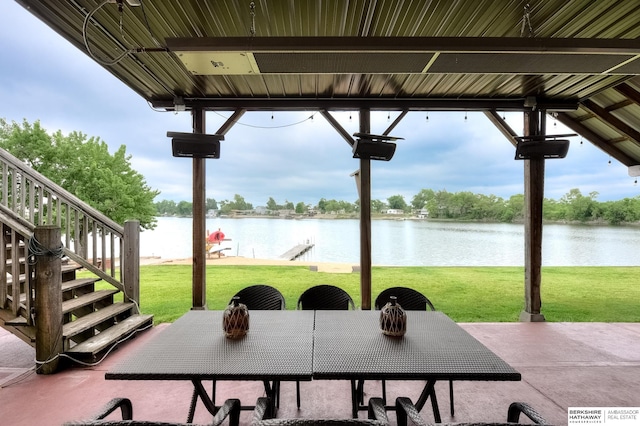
393, 319
235, 319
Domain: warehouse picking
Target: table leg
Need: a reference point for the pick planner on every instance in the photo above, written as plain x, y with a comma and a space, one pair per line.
192, 407
199, 391
355, 399
272, 389
429, 391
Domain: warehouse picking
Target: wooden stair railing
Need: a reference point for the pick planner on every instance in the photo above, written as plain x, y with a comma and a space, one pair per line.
92, 319
90, 237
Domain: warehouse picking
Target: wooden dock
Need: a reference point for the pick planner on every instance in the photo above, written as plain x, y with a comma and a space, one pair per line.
297, 251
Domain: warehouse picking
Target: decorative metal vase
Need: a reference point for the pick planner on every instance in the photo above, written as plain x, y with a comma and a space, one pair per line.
393, 319
235, 319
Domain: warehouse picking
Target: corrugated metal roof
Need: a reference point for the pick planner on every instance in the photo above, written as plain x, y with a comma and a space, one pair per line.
488, 54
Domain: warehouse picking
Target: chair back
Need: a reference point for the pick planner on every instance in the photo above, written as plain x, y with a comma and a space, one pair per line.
261, 297
408, 298
325, 297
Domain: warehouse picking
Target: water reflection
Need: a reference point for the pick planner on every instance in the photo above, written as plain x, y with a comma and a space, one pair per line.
405, 242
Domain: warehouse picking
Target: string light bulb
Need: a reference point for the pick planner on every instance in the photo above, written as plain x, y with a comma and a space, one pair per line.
427, 117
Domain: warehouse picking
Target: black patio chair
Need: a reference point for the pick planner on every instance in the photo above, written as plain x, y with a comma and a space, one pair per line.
230, 409
323, 297
261, 297
410, 300
377, 416
405, 410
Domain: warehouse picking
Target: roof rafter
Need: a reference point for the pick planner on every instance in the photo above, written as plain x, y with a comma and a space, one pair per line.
629, 92
610, 119
595, 139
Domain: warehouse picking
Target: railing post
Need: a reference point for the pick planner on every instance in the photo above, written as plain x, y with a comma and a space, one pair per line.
48, 304
3, 266
131, 261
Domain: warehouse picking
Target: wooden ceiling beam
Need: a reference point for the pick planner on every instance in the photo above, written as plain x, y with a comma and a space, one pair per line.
337, 126
502, 125
595, 139
613, 121
619, 105
629, 92
374, 104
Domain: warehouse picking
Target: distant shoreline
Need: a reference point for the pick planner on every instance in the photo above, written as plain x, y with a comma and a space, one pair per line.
334, 267
402, 217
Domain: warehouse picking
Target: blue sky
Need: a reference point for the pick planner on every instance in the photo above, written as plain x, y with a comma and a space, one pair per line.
290, 157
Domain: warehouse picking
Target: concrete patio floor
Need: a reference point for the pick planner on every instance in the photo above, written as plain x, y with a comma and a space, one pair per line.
562, 365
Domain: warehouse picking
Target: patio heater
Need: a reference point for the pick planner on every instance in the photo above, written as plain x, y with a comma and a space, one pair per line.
195, 145
542, 146
374, 147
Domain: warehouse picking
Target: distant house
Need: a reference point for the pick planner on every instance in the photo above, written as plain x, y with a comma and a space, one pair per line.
262, 210
213, 213
422, 213
394, 211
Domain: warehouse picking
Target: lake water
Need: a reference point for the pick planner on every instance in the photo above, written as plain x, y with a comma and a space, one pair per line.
403, 242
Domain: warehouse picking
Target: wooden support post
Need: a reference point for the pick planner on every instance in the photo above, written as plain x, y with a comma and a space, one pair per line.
48, 303
365, 218
533, 201
199, 285
131, 261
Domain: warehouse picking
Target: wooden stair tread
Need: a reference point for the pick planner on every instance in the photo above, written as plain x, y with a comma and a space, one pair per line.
110, 336
65, 268
87, 299
16, 322
86, 322
77, 283
26, 333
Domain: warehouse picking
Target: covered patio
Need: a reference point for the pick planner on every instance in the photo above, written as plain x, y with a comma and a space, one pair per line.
575, 61
563, 365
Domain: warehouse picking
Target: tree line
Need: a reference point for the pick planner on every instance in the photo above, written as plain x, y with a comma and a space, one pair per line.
84, 167
465, 205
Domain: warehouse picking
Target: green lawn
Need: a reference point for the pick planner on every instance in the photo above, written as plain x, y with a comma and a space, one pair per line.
466, 294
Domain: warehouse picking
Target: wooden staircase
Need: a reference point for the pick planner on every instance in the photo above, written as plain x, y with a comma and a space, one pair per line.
100, 308
93, 321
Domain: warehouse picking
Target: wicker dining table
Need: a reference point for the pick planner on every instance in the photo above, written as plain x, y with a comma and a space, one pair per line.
305, 345
278, 347
349, 345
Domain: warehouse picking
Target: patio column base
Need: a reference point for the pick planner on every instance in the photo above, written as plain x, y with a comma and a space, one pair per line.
529, 317
199, 308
